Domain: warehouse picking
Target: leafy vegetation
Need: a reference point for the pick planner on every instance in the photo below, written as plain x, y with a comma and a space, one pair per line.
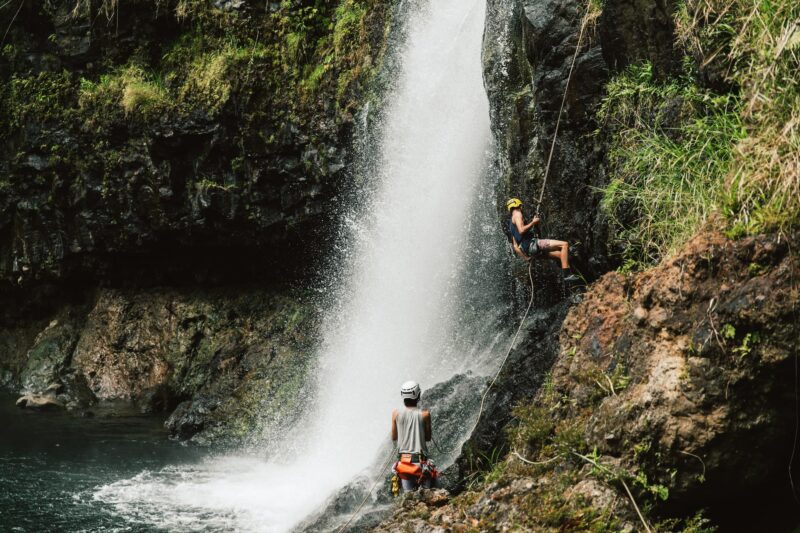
44, 97
682, 152
275, 65
756, 47
673, 145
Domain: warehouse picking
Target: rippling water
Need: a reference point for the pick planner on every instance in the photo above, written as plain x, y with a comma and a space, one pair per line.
52, 465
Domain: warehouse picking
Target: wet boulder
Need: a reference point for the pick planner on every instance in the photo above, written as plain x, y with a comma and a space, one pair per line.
74, 390
39, 402
189, 418
49, 355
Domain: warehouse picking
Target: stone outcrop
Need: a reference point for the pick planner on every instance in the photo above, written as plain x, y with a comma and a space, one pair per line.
39, 402
237, 359
705, 348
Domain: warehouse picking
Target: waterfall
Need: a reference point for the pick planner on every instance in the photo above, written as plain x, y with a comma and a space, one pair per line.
401, 292
411, 239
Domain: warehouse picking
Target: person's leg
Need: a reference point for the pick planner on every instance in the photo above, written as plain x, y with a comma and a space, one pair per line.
554, 255
557, 250
563, 249
427, 483
408, 485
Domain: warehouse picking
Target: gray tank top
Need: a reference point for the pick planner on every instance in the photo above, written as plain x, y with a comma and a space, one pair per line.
411, 431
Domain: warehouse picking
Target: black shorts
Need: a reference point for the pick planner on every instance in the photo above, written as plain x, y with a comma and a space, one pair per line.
538, 247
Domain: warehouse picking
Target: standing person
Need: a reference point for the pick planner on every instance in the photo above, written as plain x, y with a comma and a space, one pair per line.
411, 430
528, 247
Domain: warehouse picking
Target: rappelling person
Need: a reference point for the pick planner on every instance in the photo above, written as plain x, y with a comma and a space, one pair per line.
528, 247
411, 429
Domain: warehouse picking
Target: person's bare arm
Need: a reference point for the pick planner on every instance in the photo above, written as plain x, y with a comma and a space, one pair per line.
519, 222
426, 420
519, 251
394, 425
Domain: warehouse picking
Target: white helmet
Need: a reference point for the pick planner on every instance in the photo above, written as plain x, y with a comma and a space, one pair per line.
410, 390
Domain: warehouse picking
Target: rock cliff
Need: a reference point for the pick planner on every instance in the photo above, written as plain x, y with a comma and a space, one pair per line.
169, 183
164, 141
678, 384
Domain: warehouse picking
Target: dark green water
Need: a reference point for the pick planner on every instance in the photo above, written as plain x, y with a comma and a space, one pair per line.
52, 463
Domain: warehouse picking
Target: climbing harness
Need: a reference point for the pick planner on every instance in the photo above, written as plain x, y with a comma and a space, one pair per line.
415, 467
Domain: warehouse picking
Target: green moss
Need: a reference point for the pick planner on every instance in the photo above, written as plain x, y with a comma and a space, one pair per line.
44, 98
213, 76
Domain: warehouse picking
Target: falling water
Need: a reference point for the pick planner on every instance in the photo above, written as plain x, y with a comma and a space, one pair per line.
410, 246
396, 314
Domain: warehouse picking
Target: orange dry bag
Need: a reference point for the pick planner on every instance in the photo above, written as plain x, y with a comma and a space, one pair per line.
408, 470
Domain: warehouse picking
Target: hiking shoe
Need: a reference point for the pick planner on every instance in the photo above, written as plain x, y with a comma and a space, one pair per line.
572, 278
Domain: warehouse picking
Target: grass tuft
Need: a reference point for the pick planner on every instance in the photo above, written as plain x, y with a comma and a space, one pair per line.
133, 90
682, 152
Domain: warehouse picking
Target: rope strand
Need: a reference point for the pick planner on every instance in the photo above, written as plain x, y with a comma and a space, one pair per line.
561, 110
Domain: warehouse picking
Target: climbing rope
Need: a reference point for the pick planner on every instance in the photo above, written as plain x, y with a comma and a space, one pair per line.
561, 110
369, 492
508, 353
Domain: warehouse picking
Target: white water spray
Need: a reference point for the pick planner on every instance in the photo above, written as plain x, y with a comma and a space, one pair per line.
393, 320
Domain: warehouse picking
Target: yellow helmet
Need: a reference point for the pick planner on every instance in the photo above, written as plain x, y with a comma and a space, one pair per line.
513, 203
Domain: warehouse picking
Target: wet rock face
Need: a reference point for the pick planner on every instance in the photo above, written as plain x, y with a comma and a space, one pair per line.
528, 50
520, 378
702, 351
635, 30
50, 353
185, 196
